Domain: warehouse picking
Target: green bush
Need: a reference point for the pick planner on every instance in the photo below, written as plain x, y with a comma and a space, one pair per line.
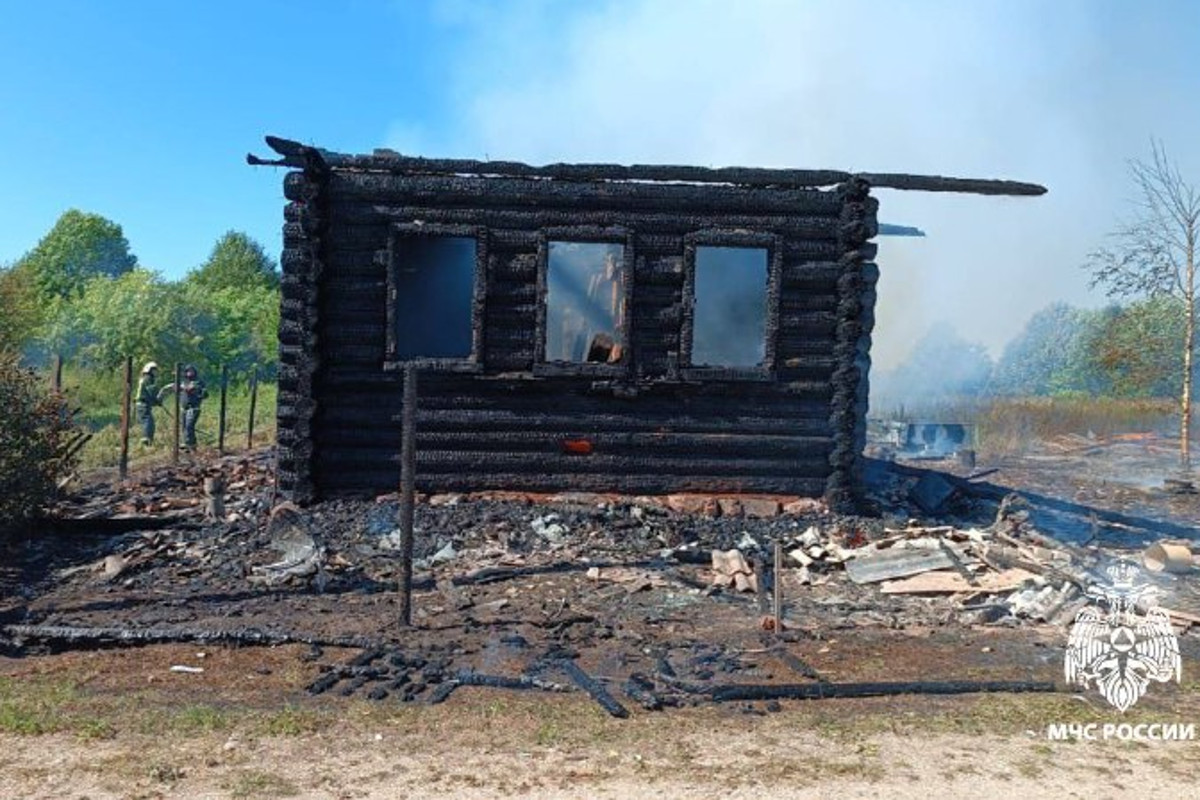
36, 436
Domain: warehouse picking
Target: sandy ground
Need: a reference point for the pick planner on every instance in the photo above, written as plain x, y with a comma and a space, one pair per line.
769, 758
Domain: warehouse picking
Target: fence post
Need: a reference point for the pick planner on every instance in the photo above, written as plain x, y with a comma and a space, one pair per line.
56, 381
408, 461
253, 403
221, 418
123, 464
178, 383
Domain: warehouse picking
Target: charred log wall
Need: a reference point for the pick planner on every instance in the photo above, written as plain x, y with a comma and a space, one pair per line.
507, 420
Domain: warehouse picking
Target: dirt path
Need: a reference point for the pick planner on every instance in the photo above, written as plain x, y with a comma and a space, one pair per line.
698, 756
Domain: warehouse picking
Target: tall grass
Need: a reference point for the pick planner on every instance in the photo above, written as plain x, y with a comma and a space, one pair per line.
1009, 425
98, 394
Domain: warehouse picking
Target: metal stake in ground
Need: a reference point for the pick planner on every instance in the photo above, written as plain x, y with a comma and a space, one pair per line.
253, 403
408, 464
221, 415
777, 586
178, 416
123, 464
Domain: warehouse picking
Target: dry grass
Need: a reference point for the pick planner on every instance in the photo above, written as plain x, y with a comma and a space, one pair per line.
1007, 426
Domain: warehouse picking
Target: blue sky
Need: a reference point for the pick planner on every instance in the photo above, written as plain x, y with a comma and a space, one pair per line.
143, 112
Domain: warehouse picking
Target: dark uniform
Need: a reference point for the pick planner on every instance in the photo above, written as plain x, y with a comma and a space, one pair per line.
191, 393
146, 399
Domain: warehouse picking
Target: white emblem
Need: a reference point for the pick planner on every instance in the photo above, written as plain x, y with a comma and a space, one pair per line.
1122, 650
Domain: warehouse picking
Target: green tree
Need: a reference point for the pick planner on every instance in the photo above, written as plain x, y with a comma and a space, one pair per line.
1136, 348
79, 247
236, 262
136, 314
1154, 255
230, 325
21, 317
37, 438
1052, 354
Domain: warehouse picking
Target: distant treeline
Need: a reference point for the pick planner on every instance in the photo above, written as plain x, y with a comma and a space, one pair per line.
81, 294
1121, 351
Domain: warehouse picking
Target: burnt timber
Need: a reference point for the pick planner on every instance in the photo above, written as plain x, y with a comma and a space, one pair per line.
505, 415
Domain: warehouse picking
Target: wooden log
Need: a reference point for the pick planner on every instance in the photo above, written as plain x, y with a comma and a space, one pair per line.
75, 635
253, 406
367, 481
178, 417
126, 395
593, 688
640, 690
301, 157
408, 466
629, 443
823, 691
796, 664
368, 226
517, 420
222, 409
348, 188
936, 183
468, 461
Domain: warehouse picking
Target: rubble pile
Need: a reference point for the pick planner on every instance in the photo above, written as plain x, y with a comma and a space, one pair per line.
663, 595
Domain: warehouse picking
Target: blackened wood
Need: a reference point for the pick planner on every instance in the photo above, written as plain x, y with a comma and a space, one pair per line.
363, 227
514, 462
524, 682
71, 635
509, 193
601, 441
56, 378
935, 183
126, 394
367, 481
442, 693
593, 688
408, 467
796, 664
176, 420
253, 406
822, 691
221, 412
297, 155
640, 690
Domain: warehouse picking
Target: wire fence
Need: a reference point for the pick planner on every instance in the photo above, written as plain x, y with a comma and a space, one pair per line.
235, 412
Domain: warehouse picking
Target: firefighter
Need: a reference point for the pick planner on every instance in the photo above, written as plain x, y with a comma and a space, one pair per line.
146, 399
191, 393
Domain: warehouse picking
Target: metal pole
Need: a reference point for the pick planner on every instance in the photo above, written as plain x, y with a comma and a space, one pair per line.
221, 417
253, 403
123, 464
408, 459
175, 441
777, 585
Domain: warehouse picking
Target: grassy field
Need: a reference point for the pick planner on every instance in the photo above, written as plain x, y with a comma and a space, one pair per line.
1007, 426
98, 394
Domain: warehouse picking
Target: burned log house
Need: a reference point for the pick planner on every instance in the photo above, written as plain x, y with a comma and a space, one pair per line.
643, 329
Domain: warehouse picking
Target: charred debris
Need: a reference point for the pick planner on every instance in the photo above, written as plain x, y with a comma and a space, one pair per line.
637, 601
